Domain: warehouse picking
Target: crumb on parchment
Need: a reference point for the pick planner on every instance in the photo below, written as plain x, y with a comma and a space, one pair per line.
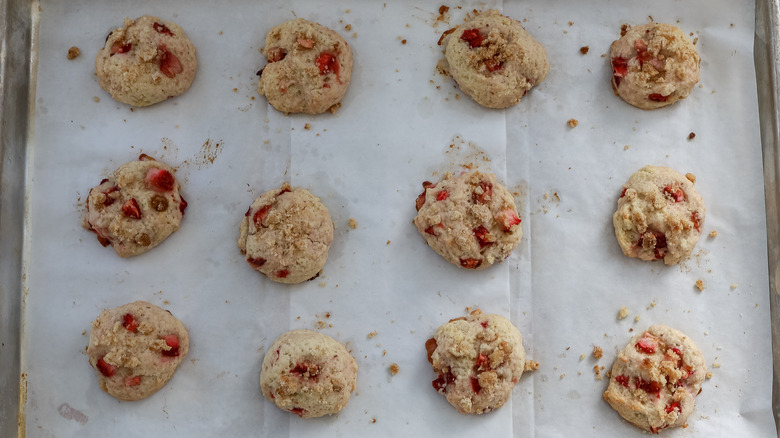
713, 233
531, 365
584, 50
597, 371
353, 223
700, 284
73, 52
597, 352
372, 334
394, 368
572, 123
623, 313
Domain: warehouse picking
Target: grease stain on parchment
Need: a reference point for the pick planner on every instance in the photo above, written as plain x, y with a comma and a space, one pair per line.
69, 413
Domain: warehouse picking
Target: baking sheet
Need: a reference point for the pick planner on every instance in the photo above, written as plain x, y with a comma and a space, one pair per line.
400, 123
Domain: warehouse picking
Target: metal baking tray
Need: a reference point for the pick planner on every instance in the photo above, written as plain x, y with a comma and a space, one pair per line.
18, 66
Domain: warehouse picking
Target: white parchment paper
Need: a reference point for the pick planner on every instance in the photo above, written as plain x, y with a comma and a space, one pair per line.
383, 292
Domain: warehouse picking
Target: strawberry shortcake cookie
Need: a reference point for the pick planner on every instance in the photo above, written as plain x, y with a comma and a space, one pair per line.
146, 61
137, 208
309, 68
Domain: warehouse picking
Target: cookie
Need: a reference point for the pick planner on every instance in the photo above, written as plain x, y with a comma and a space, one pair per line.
470, 220
308, 373
659, 215
286, 234
146, 61
137, 208
479, 359
494, 60
656, 379
309, 68
135, 349
654, 65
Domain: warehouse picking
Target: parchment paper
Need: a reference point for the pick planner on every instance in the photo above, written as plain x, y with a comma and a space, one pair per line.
383, 291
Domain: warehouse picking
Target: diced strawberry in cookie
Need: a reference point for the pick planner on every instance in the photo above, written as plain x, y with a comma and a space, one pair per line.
132, 381
302, 368
160, 179
169, 63
121, 48
161, 28
470, 263
256, 263
432, 231
105, 368
622, 379
276, 54
328, 63
131, 210
483, 236
483, 362
482, 196
508, 218
306, 43
421, 197
129, 322
646, 345
673, 406
492, 65
283, 273
695, 220
298, 411
649, 386
182, 205
656, 97
441, 382
173, 342
260, 215
444, 194
619, 66
473, 37
475, 386
675, 193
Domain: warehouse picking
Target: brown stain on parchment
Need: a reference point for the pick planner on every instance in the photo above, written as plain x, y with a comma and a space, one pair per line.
209, 152
22, 404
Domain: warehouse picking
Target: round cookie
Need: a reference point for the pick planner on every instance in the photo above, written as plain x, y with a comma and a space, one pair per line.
494, 60
286, 234
309, 68
135, 349
654, 65
479, 359
470, 220
656, 378
146, 61
137, 208
659, 215
308, 373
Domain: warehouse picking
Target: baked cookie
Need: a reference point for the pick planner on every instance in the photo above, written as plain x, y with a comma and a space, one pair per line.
137, 208
654, 65
309, 68
659, 215
470, 220
146, 61
286, 234
656, 379
308, 373
135, 349
494, 60
479, 359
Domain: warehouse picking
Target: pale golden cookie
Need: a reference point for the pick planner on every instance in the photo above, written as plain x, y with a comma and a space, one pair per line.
470, 220
656, 379
135, 349
137, 208
308, 373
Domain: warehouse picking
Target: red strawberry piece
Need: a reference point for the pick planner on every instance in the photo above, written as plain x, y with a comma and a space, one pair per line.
677, 351
161, 28
129, 322
475, 385
646, 345
256, 263
305, 367
641, 52
484, 324
160, 179
326, 85
272, 395
675, 193
444, 194
105, 368
654, 430
104, 180
121, 47
144, 157
649, 386
470, 263
283, 273
130, 209
421, 197
182, 205
508, 218
483, 362
169, 63
473, 37
132, 381
656, 97
622, 379
484, 197
695, 220
673, 406
283, 191
492, 65
328, 63
298, 411
483, 236
173, 342
276, 54
623, 193
442, 381
109, 199
306, 43
260, 215
430, 230
619, 67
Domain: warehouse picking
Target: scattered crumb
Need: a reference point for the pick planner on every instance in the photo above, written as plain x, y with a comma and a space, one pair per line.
563, 375
716, 364
354, 35
348, 27
637, 318
583, 356
584, 50
691, 136
623, 313
626, 147
597, 352
700, 284
384, 353
403, 41
372, 334
691, 177
597, 370
572, 123
235, 90
394, 369
708, 375
734, 286
334, 108
388, 243
713, 233
571, 23
531, 365
220, 32
373, 420
623, 29
307, 126
353, 223
653, 304
323, 284
579, 373
73, 52
96, 99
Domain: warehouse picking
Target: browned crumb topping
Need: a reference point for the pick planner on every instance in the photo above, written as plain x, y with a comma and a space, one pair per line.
372, 334
307, 126
572, 123
713, 233
700, 284
388, 243
334, 108
584, 50
353, 223
597, 370
708, 375
691, 136
531, 365
73, 52
394, 369
623, 29
691, 177
597, 352
348, 27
